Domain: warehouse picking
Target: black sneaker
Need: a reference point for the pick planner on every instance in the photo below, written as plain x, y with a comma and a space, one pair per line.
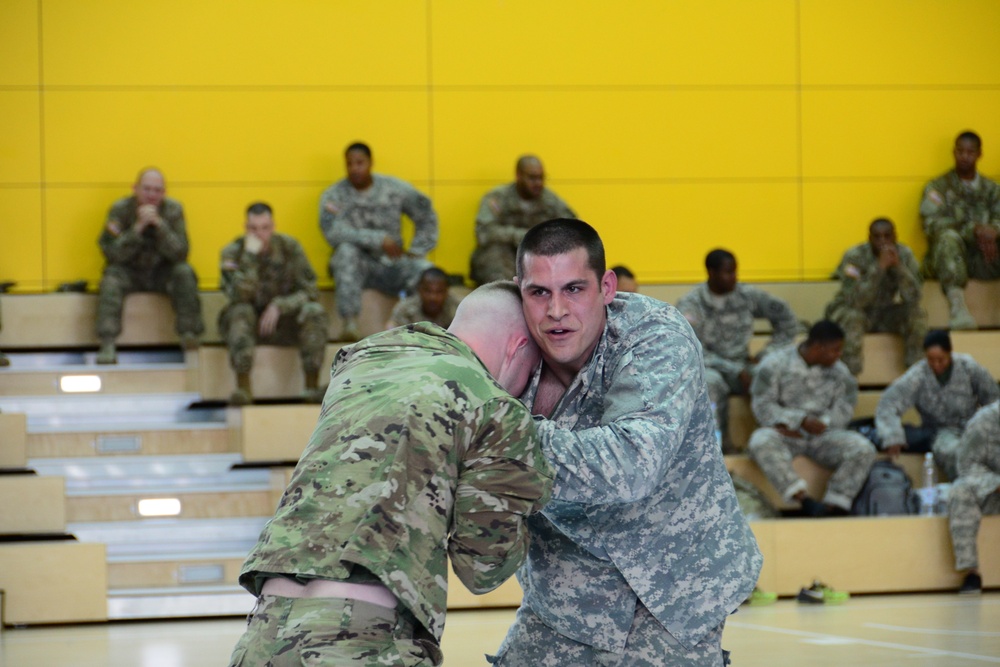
971, 585
813, 508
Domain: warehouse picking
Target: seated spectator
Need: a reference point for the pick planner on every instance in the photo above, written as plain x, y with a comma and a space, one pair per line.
961, 212
976, 492
508, 211
946, 388
361, 218
880, 290
803, 398
722, 314
273, 300
145, 248
626, 279
433, 302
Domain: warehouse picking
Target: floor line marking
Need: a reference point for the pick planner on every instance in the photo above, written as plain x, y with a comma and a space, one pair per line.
931, 631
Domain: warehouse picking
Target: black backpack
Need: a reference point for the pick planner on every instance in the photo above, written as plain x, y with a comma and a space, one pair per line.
887, 491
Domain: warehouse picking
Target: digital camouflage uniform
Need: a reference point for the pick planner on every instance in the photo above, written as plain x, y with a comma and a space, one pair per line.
945, 407
785, 391
154, 261
951, 209
410, 310
355, 223
643, 551
977, 490
724, 325
418, 455
876, 300
251, 282
503, 219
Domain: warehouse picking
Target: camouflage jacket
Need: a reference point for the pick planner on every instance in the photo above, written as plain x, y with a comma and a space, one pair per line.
156, 246
785, 390
979, 452
642, 503
504, 216
949, 203
950, 406
283, 275
725, 331
410, 310
365, 218
418, 455
865, 286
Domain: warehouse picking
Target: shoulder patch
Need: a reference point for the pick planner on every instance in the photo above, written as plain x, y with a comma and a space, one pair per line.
230, 265
113, 227
494, 205
330, 207
935, 197
852, 271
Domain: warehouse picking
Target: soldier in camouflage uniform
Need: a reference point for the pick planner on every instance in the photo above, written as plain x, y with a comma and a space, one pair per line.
273, 300
419, 454
722, 312
643, 551
360, 218
803, 397
508, 211
976, 491
145, 248
880, 289
946, 388
433, 302
961, 213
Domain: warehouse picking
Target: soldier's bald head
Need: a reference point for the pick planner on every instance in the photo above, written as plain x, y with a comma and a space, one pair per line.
530, 177
491, 307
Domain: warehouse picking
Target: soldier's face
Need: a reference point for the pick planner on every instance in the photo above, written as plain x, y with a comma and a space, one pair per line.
432, 296
150, 188
262, 226
966, 153
881, 236
359, 169
938, 359
531, 181
564, 306
723, 279
824, 354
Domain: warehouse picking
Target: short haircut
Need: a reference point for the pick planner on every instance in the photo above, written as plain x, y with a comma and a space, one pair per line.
823, 332
258, 208
524, 161
560, 236
433, 273
969, 135
359, 146
146, 170
501, 286
881, 221
716, 258
623, 271
937, 338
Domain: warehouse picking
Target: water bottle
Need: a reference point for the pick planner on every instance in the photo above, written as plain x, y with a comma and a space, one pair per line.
928, 492
718, 431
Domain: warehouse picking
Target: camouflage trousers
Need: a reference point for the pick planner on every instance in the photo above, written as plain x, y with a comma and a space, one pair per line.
354, 270
965, 512
850, 455
722, 385
292, 632
945, 448
178, 281
305, 328
532, 643
493, 262
906, 319
953, 261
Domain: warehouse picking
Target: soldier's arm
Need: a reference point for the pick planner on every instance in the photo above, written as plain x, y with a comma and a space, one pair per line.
418, 207
899, 397
119, 244
842, 407
490, 225
981, 434
238, 274
171, 234
984, 384
304, 287
911, 282
765, 398
784, 325
335, 221
503, 477
936, 213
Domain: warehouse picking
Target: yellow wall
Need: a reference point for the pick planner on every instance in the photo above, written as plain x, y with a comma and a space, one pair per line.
776, 128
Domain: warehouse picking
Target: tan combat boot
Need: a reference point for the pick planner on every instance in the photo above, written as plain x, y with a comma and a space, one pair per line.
312, 393
243, 394
107, 354
960, 317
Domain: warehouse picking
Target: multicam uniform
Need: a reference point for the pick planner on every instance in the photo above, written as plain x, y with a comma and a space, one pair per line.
951, 209
977, 490
873, 299
355, 223
410, 310
153, 261
724, 325
417, 455
503, 219
282, 276
643, 551
785, 391
945, 405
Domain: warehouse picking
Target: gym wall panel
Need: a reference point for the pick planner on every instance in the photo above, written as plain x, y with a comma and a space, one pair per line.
456, 205
598, 43
19, 43
838, 215
20, 154
616, 135
879, 133
199, 136
74, 218
252, 43
893, 43
21, 250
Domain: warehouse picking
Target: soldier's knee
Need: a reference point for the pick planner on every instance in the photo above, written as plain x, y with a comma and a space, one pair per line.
763, 439
312, 311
